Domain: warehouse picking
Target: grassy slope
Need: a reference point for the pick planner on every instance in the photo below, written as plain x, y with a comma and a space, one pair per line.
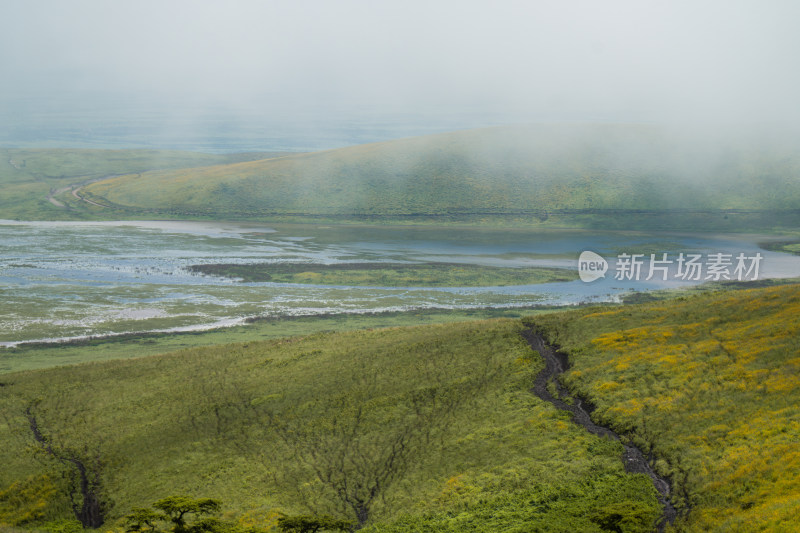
180, 424
28, 175
712, 385
529, 172
713, 394
34, 357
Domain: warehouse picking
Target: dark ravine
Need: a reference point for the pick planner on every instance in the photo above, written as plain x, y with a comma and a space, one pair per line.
635, 462
88, 509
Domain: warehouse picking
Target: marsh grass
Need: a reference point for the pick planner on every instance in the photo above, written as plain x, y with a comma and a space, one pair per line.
388, 274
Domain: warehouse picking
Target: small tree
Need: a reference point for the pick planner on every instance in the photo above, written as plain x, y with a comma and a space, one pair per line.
141, 519
176, 510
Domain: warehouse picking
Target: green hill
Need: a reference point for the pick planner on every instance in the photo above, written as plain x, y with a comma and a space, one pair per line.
710, 385
439, 418
551, 175
29, 178
442, 417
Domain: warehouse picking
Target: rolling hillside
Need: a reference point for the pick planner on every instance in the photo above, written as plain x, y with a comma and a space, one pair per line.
438, 417
37, 184
558, 174
282, 426
710, 385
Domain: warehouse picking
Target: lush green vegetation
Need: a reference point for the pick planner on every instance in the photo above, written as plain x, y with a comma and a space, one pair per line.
711, 385
426, 428
388, 274
38, 356
429, 428
610, 176
30, 177
277, 429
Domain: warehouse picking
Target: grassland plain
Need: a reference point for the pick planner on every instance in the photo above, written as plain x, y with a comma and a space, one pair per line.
610, 176
711, 386
28, 177
45, 355
104, 348
251, 423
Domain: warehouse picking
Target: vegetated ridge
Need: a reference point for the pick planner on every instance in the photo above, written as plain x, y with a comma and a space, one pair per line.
616, 175
41, 183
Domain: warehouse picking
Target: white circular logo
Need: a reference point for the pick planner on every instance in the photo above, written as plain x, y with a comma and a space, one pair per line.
591, 266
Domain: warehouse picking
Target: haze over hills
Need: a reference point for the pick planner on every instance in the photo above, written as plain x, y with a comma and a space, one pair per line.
541, 171
266, 274
31, 177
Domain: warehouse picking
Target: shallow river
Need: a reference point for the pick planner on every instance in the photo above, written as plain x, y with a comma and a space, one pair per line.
62, 280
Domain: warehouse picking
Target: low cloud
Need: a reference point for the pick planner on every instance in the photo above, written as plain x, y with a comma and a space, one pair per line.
458, 63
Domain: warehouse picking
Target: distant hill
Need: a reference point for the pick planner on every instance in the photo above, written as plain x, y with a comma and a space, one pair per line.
574, 173
37, 183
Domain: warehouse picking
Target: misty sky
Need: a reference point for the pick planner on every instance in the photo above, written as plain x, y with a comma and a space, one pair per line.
460, 63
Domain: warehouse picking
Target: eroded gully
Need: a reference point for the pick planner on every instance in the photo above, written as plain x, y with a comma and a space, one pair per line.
635, 461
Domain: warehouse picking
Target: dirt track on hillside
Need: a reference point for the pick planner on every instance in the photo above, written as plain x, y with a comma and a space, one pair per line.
74, 189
